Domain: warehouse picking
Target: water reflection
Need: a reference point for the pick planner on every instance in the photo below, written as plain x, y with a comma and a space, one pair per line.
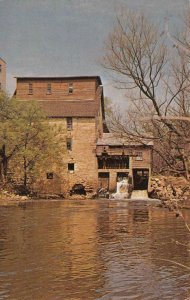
51, 251
141, 215
91, 250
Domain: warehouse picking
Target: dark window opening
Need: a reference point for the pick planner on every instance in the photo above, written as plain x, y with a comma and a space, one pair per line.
70, 88
49, 175
49, 89
69, 123
0, 68
78, 189
30, 91
113, 162
122, 176
69, 144
140, 179
71, 167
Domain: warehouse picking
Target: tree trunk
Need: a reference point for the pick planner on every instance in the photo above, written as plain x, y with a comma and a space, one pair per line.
4, 164
25, 174
186, 167
1, 171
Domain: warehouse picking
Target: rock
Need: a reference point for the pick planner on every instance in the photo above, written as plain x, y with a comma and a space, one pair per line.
170, 189
24, 198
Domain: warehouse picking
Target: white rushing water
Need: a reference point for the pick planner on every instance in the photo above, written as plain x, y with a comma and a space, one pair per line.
121, 190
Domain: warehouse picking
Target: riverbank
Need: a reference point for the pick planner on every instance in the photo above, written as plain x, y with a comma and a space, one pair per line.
172, 191
9, 198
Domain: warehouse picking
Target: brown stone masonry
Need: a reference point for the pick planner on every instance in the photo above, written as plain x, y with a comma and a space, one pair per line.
77, 105
92, 157
2, 74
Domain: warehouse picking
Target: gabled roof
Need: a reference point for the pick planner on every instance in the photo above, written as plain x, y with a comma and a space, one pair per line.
60, 109
111, 139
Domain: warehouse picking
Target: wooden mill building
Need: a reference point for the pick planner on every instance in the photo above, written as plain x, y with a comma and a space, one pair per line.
93, 157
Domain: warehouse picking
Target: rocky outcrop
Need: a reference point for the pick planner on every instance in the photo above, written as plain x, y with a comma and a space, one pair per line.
10, 198
176, 189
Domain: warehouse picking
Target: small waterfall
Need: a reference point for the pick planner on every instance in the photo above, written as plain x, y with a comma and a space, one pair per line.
121, 190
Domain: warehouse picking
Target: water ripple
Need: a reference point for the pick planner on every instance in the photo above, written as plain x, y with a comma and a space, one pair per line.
55, 250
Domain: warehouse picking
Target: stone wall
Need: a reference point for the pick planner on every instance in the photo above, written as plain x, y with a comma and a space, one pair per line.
146, 161
82, 155
2, 74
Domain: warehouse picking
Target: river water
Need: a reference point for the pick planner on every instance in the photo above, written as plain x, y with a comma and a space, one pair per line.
96, 249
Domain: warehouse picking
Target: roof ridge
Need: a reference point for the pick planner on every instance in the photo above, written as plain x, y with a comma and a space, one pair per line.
61, 77
66, 100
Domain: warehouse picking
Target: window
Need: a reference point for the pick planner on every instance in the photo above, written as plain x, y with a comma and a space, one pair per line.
113, 162
0, 68
71, 167
70, 88
49, 175
48, 89
139, 156
69, 123
30, 89
69, 144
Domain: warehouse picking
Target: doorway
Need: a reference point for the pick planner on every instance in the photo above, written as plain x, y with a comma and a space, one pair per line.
103, 180
140, 179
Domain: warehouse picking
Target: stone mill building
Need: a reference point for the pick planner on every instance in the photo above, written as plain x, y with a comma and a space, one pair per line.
93, 158
3, 67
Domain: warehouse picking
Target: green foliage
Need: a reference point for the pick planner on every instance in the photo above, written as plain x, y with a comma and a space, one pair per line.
9, 131
28, 143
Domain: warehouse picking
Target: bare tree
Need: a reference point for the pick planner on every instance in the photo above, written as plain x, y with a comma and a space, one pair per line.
158, 79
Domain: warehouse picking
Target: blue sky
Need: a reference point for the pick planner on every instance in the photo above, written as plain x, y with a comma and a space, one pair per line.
66, 37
